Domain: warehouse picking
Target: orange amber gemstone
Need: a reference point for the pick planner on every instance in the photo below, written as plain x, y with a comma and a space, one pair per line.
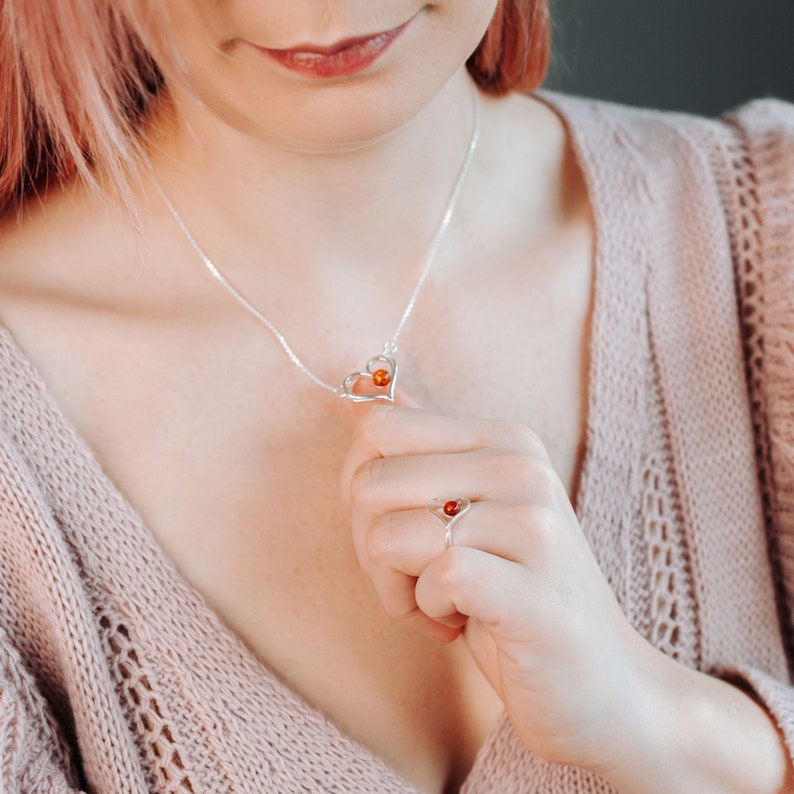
381, 377
451, 508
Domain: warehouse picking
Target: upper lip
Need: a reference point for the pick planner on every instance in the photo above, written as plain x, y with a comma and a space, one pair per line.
338, 46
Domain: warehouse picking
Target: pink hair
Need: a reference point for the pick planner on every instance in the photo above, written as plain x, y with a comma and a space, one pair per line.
77, 78
515, 52
75, 84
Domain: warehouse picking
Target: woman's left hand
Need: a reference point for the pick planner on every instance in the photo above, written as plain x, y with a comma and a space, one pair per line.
520, 581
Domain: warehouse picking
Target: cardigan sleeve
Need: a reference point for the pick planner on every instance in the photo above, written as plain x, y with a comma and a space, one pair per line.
761, 218
33, 755
63, 725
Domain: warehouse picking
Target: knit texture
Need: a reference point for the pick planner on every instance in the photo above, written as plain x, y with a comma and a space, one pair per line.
116, 676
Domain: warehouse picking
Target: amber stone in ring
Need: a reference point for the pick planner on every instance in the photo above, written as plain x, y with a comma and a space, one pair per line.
451, 508
381, 377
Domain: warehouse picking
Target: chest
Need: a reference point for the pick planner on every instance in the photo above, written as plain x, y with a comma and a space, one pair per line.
245, 500
232, 458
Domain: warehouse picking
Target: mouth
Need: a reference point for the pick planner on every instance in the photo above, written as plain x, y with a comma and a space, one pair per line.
343, 58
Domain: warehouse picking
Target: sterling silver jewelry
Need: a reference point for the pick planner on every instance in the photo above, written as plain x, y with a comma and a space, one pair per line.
381, 371
448, 511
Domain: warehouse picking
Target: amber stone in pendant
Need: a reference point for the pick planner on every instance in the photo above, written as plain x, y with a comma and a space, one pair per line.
451, 508
381, 377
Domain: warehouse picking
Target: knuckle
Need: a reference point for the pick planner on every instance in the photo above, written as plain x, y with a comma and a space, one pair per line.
524, 473
542, 480
547, 481
523, 439
453, 570
372, 423
527, 439
381, 539
365, 479
519, 467
543, 526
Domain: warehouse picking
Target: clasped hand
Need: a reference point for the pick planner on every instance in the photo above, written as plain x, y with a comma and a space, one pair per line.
520, 582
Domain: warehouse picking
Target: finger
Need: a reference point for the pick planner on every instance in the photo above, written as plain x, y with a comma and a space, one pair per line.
388, 485
471, 582
444, 632
384, 485
407, 541
391, 430
402, 545
402, 430
397, 594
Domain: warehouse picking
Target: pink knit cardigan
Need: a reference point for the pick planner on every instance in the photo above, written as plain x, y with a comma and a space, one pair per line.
116, 676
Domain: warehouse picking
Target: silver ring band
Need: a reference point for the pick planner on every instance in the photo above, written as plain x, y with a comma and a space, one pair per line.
448, 511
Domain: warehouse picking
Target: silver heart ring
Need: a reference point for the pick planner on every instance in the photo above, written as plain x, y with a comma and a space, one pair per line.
448, 511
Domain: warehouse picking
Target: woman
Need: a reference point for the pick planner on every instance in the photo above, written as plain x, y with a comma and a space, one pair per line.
534, 560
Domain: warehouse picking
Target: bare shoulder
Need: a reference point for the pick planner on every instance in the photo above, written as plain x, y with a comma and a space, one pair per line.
538, 216
58, 245
532, 154
72, 253
75, 293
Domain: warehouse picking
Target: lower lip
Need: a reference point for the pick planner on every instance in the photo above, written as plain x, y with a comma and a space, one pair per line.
350, 60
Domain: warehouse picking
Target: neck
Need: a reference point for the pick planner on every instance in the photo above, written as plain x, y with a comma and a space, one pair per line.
260, 204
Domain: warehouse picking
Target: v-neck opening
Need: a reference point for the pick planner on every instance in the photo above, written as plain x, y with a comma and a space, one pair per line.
192, 602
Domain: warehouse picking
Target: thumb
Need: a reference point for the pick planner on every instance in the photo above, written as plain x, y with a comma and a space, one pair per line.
401, 398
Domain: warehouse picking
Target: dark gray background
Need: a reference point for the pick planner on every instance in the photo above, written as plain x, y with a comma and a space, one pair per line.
703, 56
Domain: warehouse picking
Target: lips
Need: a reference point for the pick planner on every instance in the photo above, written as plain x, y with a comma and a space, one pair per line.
337, 60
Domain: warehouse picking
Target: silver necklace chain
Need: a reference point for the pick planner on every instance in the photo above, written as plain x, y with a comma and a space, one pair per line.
390, 347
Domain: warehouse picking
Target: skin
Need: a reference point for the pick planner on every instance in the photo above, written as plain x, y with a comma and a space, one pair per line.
318, 202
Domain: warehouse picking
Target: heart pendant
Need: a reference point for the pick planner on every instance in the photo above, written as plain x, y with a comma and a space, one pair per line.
448, 511
381, 374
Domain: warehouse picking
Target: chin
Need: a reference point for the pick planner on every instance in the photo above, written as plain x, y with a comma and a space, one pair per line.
348, 124
344, 116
